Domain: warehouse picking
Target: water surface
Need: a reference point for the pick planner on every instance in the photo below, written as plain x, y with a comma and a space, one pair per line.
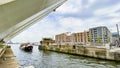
47, 59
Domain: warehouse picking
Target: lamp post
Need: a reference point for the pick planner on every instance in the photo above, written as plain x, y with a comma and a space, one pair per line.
118, 32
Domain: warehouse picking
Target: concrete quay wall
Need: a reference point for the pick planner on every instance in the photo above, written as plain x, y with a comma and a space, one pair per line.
89, 51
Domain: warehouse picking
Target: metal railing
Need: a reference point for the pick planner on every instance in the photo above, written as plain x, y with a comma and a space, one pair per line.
2, 51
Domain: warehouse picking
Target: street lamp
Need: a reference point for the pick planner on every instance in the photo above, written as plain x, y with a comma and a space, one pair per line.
118, 32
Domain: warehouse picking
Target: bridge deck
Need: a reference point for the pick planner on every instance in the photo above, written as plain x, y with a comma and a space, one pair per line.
18, 15
5, 1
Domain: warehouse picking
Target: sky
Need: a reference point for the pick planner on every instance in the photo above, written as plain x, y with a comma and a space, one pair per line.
74, 16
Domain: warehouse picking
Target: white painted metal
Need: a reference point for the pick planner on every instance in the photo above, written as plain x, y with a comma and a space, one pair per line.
16, 16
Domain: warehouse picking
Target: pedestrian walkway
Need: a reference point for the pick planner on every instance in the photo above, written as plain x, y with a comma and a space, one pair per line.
9, 60
115, 50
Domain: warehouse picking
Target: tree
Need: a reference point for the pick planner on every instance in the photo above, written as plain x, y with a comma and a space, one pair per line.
99, 40
90, 38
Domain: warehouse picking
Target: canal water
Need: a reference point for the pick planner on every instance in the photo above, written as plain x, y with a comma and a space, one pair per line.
47, 59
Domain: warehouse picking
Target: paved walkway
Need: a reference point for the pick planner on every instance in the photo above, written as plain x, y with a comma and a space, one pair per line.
115, 50
9, 60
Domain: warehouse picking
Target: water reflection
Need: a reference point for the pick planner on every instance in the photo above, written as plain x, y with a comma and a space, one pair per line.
47, 59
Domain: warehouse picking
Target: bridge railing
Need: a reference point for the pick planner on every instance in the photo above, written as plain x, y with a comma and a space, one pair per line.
2, 50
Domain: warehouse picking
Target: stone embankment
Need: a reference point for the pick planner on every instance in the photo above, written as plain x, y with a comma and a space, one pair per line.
89, 51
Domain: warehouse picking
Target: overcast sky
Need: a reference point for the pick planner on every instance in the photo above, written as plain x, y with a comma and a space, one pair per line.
74, 16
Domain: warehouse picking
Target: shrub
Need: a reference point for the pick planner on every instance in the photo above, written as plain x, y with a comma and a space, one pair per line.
57, 49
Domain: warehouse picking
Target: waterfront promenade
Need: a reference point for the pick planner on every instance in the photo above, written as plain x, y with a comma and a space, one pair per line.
100, 52
8, 59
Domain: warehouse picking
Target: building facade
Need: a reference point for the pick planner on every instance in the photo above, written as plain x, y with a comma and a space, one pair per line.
46, 42
115, 36
71, 39
100, 35
81, 37
63, 38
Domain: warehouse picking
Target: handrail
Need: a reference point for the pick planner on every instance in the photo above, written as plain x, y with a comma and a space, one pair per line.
3, 51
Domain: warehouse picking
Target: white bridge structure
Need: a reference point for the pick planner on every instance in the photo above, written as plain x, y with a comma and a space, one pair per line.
17, 15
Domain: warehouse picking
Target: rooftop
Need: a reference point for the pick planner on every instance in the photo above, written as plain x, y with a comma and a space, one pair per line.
99, 27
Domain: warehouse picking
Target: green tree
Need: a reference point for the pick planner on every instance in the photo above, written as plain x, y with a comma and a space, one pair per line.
90, 38
99, 40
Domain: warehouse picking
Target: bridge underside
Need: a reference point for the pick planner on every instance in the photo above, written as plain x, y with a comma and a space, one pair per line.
18, 15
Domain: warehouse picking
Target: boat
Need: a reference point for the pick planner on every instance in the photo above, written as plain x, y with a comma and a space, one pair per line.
26, 47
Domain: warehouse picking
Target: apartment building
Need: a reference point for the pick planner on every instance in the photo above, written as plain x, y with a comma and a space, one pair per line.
63, 38
100, 34
74, 38
80, 37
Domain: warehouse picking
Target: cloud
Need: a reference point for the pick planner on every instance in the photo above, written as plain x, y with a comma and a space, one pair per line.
70, 22
114, 15
90, 3
70, 7
107, 10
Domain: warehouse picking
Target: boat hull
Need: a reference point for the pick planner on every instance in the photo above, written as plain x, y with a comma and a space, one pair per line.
26, 47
